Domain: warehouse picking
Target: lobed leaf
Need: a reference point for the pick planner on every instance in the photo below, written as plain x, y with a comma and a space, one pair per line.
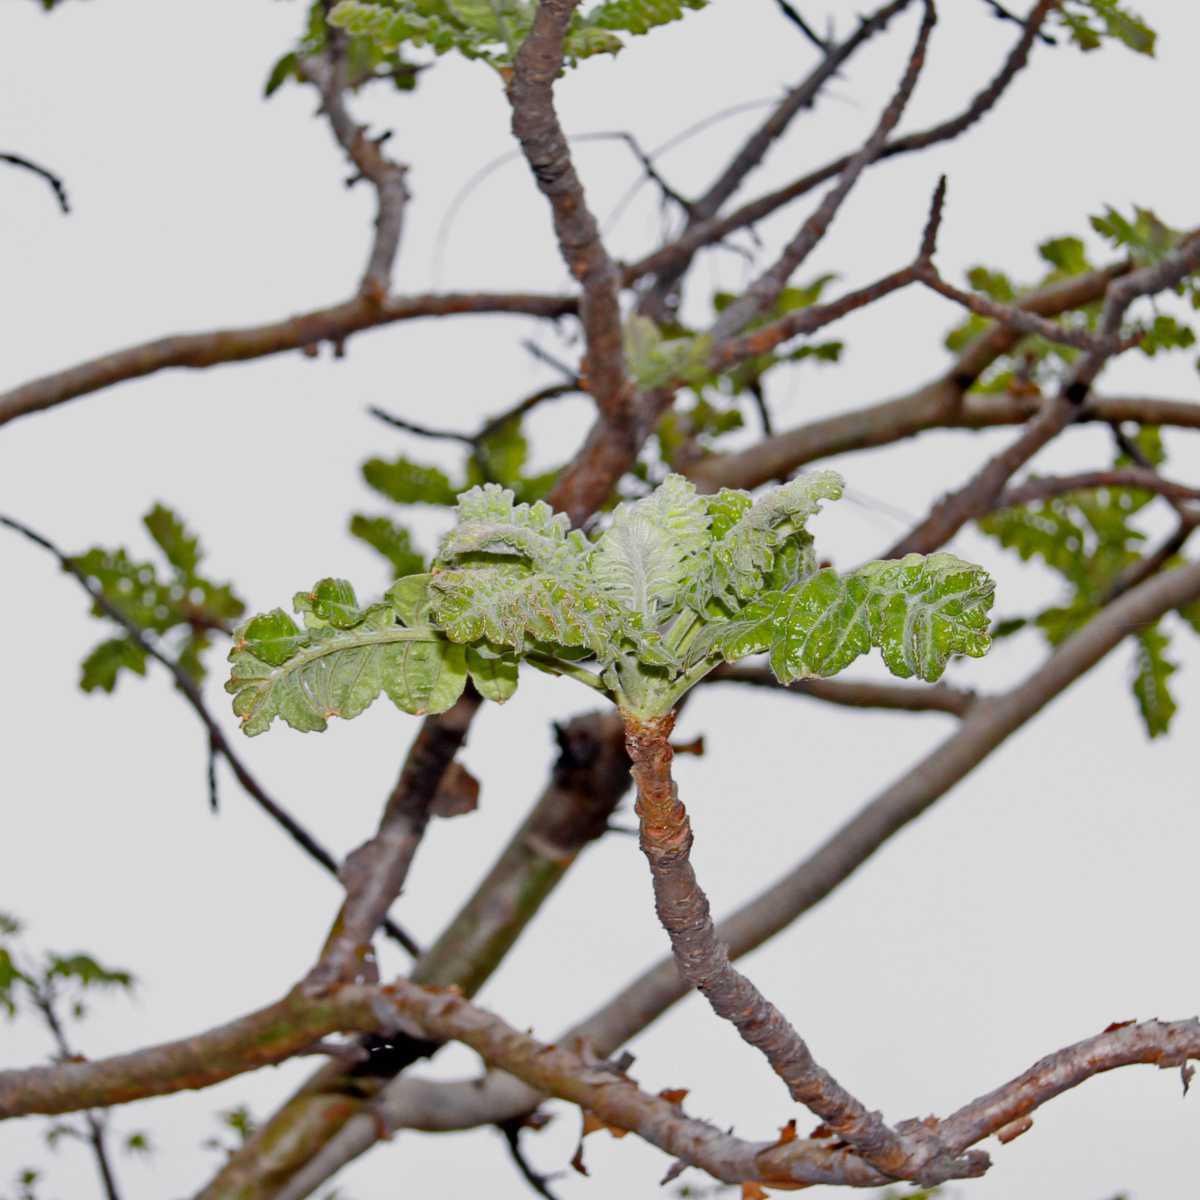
1152, 673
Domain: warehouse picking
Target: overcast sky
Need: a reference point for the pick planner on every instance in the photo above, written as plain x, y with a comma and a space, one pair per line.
1050, 893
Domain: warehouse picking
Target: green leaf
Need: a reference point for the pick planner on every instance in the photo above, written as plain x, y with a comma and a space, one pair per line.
182, 549
10, 976
333, 673
503, 452
104, 664
285, 68
393, 541
271, 637
1066, 255
1153, 670
407, 482
331, 601
493, 672
744, 554
425, 677
655, 361
647, 555
1089, 22
86, 971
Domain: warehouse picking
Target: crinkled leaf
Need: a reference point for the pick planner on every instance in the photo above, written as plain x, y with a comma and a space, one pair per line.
742, 557
271, 637
922, 610
1152, 674
334, 673
331, 601
424, 677
490, 522
647, 555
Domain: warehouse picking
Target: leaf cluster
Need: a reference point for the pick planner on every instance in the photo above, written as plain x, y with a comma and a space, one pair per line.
1089, 540
1090, 23
177, 604
1035, 362
493, 30
677, 583
363, 59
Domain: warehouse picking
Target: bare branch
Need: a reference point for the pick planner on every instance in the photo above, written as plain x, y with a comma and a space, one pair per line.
56, 184
1163, 1044
327, 73
754, 150
374, 874
761, 294
714, 230
316, 1133
217, 742
535, 125
307, 330
1043, 488
900, 697
703, 961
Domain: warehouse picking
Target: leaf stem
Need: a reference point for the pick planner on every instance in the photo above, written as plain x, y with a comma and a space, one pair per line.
569, 670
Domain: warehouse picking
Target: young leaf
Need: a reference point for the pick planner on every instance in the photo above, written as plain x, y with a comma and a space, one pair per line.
647, 555
331, 672
407, 482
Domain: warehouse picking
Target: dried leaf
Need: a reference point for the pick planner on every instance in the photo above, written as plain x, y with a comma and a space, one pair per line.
1118, 1025
673, 1095
753, 1191
787, 1133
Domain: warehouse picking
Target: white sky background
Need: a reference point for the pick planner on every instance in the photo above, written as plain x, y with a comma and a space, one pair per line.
1051, 893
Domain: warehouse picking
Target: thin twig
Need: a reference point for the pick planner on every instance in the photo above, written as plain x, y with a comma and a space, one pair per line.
539, 1183
218, 743
790, 12
1043, 488
1002, 14
761, 294
717, 228
327, 73
56, 184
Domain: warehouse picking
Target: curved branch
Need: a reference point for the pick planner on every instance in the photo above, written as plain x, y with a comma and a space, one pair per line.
301, 332
450, 1106
56, 184
1057, 485
535, 125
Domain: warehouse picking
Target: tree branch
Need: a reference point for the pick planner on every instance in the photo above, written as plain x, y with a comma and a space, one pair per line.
761, 294
327, 73
449, 1106
705, 234
535, 125
900, 697
333, 324
1057, 485
56, 184
217, 741
979, 494
756, 146
374, 874
943, 403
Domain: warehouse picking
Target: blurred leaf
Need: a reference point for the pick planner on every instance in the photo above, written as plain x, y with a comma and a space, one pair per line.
86, 971
106, 661
393, 541
1153, 670
1090, 22
407, 482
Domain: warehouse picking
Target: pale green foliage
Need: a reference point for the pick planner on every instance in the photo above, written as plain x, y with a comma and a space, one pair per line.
341, 660
493, 30
675, 584
1089, 539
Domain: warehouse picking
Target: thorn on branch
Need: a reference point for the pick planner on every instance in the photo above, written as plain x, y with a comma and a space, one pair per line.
790, 12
